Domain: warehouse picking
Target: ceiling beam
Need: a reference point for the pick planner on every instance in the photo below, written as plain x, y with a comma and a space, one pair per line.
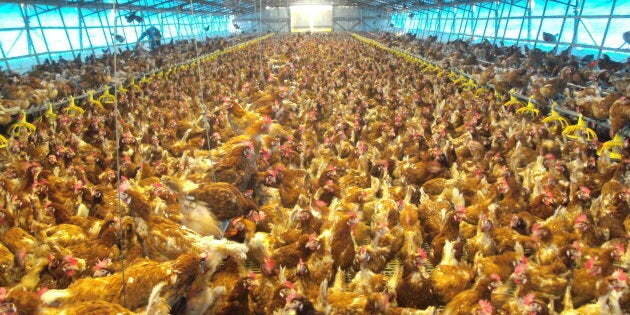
442, 4
104, 6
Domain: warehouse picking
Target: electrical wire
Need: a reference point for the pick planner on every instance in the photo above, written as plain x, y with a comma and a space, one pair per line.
204, 110
116, 127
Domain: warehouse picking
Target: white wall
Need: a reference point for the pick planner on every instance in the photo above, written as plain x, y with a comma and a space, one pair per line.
345, 19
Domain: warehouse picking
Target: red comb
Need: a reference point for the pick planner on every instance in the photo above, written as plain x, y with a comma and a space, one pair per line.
289, 285
495, 277
102, 264
486, 307
536, 226
520, 269
270, 263
549, 194
581, 219
620, 275
524, 260
71, 260
290, 297
252, 275
422, 253
529, 298
41, 291
585, 190
620, 247
124, 185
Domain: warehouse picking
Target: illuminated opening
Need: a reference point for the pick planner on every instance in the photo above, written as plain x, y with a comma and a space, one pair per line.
311, 18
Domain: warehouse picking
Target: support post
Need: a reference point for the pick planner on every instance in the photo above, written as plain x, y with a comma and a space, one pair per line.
31, 48
65, 28
612, 10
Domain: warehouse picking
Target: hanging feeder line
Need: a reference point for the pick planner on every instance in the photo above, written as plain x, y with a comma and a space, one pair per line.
204, 109
202, 58
602, 127
90, 95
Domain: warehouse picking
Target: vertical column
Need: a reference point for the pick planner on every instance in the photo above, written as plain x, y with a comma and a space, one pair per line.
4, 56
576, 21
540, 25
107, 36
526, 13
462, 24
65, 29
87, 35
612, 11
485, 27
416, 22
438, 23
507, 20
529, 18
41, 30
31, 48
564, 20
81, 24
475, 20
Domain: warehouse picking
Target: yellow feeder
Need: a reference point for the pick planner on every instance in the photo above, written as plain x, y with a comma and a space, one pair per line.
530, 108
134, 87
3, 142
50, 114
22, 124
144, 80
481, 91
554, 116
460, 79
470, 84
106, 97
513, 100
614, 147
91, 99
579, 130
121, 89
497, 95
72, 109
